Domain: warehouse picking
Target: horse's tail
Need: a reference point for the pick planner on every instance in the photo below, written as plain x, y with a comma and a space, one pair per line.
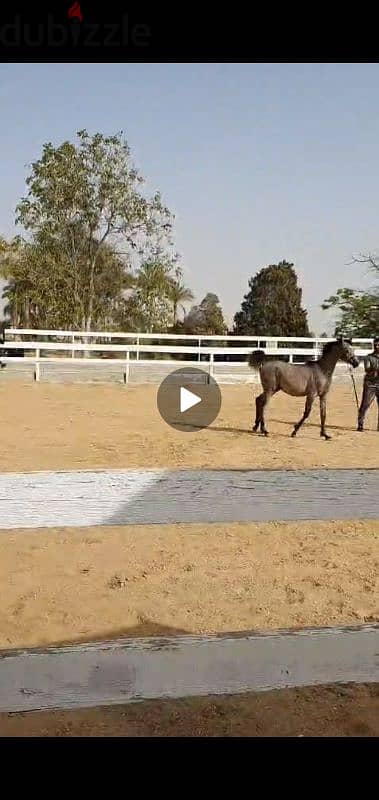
256, 359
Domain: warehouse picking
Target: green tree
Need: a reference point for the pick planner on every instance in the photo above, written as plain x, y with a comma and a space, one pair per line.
179, 294
272, 306
158, 292
18, 282
151, 297
88, 196
358, 312
42, 291
206, 318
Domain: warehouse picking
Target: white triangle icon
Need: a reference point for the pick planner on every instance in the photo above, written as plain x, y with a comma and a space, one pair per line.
188, 399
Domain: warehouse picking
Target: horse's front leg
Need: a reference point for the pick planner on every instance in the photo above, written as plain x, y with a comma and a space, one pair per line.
323, 417
307, 411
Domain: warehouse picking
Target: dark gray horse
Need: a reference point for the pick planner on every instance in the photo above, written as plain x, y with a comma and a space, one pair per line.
310, 380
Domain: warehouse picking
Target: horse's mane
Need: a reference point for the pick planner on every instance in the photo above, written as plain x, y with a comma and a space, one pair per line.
329, 345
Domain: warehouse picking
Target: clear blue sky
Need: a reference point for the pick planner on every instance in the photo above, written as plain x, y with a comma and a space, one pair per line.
259, 162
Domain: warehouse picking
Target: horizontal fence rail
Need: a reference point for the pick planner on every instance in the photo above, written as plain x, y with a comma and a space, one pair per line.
87, 498
147, 353
130, 670
173, 336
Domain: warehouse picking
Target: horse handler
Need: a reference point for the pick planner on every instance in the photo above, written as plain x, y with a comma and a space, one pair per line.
370, 384
2, 365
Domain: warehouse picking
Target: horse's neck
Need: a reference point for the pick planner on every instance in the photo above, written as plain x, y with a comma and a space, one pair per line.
328, 362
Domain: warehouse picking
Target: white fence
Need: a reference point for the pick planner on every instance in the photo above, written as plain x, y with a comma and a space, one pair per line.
143, 356
131, 670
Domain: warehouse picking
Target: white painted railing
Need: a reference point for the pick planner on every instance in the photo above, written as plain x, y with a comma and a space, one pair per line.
256, 341
136, 346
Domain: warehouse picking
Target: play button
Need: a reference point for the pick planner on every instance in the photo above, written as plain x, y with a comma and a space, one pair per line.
189, 399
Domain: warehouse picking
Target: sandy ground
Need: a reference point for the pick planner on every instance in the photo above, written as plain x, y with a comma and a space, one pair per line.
72, 585
323, 711
76, 426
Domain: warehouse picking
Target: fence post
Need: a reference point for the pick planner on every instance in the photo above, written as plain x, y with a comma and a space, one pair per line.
36, 371
73, 342
211, 366
127, 368
137, 351
199, 352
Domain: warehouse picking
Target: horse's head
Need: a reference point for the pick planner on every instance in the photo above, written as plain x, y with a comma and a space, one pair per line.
346, 352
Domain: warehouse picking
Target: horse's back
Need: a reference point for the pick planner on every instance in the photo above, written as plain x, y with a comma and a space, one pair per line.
293, 379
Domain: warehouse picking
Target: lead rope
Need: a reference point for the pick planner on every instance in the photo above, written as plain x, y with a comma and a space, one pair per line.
355, 390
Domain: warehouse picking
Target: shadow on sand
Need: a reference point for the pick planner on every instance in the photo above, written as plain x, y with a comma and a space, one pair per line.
145, 629
249, 432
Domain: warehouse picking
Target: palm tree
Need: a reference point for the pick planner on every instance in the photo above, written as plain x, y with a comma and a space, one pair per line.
179, 294
152, 289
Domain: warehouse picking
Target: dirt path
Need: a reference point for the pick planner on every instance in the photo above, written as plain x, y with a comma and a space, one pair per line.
72, 585
60, 426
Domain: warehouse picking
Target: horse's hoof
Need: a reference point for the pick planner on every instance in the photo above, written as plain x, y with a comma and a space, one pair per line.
325, 436
265, 433
293, 434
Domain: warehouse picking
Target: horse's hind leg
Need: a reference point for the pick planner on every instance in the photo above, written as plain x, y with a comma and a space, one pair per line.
258, 411
307, 411
266, 398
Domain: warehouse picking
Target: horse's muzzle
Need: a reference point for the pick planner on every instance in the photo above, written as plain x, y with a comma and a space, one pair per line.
354, 362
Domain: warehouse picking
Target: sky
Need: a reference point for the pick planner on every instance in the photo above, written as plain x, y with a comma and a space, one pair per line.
258, 162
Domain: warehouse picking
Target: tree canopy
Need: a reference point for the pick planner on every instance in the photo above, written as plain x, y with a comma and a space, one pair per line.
96, 253
272, 306
44, 290
206, 318
86, 218
357, 311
